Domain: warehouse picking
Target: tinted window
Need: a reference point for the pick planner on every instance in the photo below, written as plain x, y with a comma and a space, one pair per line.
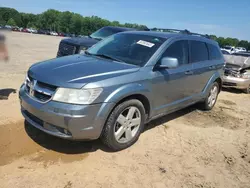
103, 33
225, 52
178, 50
214, 52
128, 47
199, 51
228, 47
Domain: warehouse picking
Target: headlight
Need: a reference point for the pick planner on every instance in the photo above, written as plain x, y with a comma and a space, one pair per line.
245, 76
83, 50
26, 79
77, 96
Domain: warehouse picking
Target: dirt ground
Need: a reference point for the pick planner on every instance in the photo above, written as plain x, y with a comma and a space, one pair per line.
189, 148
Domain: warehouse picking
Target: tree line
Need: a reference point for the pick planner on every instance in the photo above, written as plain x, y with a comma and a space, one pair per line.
69, 22
53, 20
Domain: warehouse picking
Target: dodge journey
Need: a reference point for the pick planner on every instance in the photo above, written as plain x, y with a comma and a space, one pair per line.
121, 83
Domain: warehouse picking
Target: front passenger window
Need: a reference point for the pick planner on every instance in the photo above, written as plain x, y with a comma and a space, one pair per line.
178, 50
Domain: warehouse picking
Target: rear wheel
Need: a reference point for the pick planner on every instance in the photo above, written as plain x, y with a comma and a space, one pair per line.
124, 125
211, 99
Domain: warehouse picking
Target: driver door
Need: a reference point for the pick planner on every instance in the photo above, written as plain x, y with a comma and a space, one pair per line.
172, 88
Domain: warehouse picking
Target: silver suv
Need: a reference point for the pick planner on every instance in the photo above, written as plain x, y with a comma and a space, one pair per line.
121, 83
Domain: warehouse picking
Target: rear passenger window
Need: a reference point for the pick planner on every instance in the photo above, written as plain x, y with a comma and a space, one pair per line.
178, 50
214, 52
199, 51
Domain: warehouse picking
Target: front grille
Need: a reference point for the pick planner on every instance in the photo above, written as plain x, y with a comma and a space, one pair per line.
38, 90
229, 84
66, 49
41, 97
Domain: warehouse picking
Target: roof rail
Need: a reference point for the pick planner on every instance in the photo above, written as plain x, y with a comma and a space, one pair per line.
185, 31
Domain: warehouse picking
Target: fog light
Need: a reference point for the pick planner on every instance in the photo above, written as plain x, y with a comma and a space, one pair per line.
65, 131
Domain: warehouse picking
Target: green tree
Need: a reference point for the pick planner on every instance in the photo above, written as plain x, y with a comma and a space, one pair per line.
64, 21
28, 19
8, 13
75, 24
243, 43
11, 22
49, 19
31, 25
69, 22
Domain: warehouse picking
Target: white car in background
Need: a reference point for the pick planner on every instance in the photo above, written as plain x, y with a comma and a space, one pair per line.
31, 30
229, 49
53, 33
240, 49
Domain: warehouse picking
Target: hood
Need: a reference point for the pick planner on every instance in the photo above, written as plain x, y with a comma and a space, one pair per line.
77, 70
81, 41
237, 62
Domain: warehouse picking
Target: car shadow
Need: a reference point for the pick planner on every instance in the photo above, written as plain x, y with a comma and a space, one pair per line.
62, 145
164, 119
79, 147
233, 90
5, 93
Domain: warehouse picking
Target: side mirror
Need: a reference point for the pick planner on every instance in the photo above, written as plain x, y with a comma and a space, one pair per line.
169, 63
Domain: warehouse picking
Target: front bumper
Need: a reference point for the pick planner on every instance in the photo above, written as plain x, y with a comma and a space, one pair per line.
233, 82
69, 121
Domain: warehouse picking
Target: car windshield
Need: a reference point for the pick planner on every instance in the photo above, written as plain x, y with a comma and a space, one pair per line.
228, 47
103, 33
128, 47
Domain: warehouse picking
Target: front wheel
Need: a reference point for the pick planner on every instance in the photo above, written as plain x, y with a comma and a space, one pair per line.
247, 90
124, 125
211, 99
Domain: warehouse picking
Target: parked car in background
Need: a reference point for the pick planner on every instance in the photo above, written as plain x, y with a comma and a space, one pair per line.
25, 30
121, 83
72, 46
31, 30
8, 27
53, 33
240, 49
225, 52
15, 28
237, 71
5, 27
43, 31
229, 49
61, 34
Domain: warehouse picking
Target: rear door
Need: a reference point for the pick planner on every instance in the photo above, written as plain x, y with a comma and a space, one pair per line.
203, 67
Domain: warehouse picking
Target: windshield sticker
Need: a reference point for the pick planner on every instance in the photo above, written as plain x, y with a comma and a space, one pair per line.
145, 43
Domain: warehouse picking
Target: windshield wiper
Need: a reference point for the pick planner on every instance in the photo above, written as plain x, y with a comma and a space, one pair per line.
96, 38
108, 57
86, 52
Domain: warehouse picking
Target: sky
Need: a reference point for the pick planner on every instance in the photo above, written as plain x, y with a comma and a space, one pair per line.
226, 18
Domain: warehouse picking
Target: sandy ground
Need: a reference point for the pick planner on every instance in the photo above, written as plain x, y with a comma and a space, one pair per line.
189, 148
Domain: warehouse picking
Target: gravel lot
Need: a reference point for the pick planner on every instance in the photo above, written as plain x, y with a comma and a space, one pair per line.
189, 148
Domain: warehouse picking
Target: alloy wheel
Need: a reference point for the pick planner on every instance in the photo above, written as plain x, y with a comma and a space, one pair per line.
127, 124
213, 96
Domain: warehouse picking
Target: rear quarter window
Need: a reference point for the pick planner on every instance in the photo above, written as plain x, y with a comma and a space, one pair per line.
214, 52
199, 51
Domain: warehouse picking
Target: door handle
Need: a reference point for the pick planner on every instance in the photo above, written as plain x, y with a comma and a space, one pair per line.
212, 67
189, 72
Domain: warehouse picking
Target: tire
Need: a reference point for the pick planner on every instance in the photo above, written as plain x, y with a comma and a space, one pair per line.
247, 90
116, 132
209, 103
